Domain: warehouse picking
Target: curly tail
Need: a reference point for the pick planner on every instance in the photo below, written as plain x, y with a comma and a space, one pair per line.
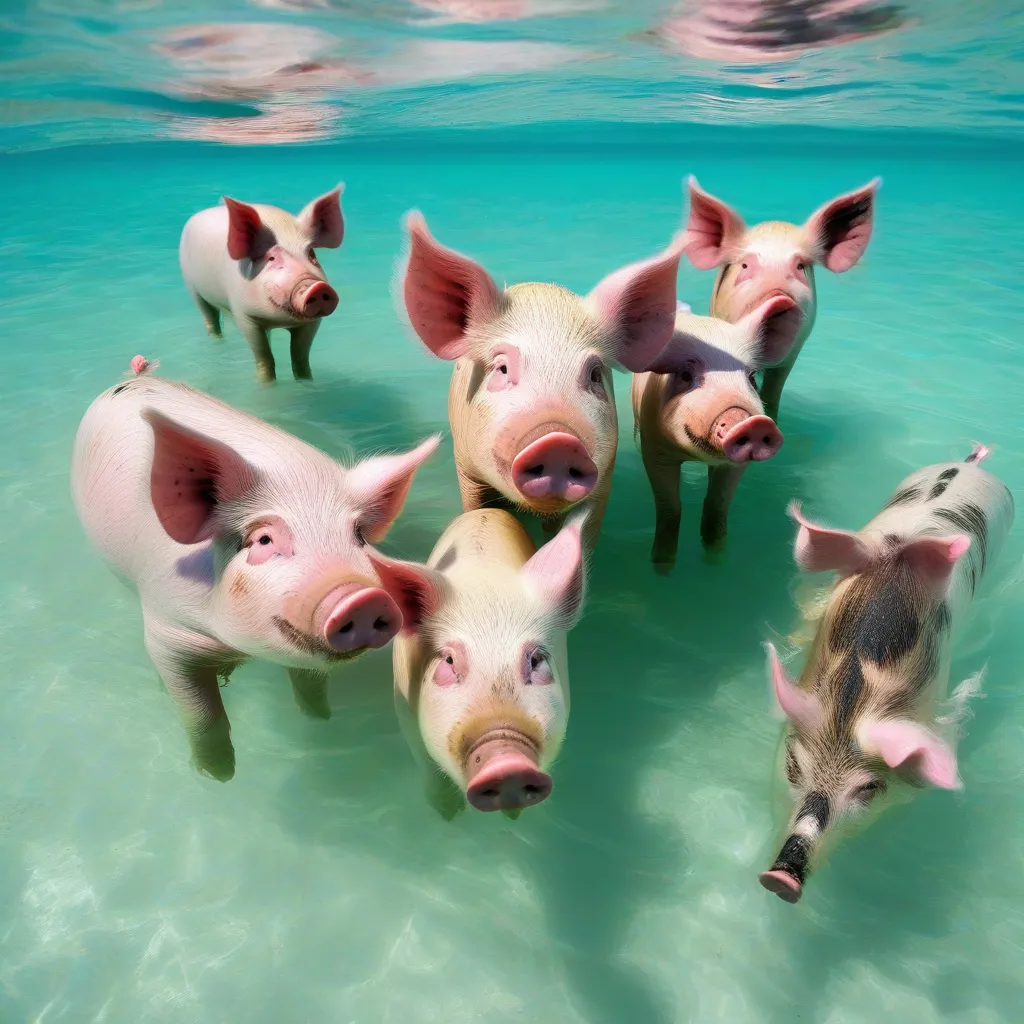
978, 453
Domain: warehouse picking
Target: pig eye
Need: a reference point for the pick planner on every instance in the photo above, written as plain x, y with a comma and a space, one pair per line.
446, 674
593, 377
311, 256
685, 379
743, 266
360, 539
538, 668
869, 790
752, 377
265, 539
801, 265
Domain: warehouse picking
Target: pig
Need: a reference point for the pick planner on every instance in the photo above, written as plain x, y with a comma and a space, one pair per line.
241, 541
699, 403
481, 674
774, 258
531, 405
865, 722
259, 264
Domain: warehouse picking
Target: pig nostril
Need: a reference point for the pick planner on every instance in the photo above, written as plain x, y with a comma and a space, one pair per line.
768, 439
493, 793
535, 470
531, 790
743, 440
347, 628
575, 473
380, 623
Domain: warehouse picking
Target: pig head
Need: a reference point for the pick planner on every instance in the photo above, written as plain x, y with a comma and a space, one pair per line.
488, 682
531, 403
776, 259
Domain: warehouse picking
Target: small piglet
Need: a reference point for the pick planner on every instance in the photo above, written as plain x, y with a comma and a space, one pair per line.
776, 259
259, 264
531, 404
242, 542
699, 403
481, 676
864, 727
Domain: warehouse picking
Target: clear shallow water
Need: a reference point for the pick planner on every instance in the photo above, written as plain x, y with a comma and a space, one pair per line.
317, 885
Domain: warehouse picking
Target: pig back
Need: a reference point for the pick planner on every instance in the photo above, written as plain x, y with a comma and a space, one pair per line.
478, 541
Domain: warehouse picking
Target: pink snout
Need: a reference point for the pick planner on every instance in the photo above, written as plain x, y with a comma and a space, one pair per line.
318, 300
361, 619
555, 466
508, 782
751, 440
783, 884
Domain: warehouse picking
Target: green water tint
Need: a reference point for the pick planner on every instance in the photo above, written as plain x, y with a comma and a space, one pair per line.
318, 885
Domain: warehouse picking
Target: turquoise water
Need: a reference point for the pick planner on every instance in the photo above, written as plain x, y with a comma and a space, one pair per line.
318, 885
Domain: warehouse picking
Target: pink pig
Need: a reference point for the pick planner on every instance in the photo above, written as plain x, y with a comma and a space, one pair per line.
531, 404
242, 542
774, 258
259, 264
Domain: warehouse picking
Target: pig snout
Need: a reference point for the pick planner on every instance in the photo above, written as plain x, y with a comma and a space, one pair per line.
783, 884
314, 300
355, 618
555, 466
505, 776
746, 438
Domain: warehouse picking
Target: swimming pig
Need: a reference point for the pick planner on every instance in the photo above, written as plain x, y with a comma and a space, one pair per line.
242, 542
531, 404
864, 726
259, 264
481, 677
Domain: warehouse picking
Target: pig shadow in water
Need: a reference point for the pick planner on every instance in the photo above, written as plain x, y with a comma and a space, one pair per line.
644, 661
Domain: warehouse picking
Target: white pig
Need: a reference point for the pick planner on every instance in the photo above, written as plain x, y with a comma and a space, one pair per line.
242, 542
531, 404
259, 264
481, 676
864, 726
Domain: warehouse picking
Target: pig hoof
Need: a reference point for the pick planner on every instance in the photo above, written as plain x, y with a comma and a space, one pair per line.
512, 812
318, 711
664, 568
220, 772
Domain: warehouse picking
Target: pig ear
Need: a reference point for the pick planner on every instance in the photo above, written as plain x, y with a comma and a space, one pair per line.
322, 219
800, 706
713, 231
244, 228
911, 748
418, 590
819, 549
380, 486
185, 464
773, 328
840, 230
556, 574
445, 292
934, 558
638, 302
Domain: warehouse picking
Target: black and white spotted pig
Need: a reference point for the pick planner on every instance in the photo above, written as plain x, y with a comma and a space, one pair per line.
863, 729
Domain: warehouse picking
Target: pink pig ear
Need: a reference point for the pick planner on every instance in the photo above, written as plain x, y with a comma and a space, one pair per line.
322, 219
913, 749
244, 229
800, 706
638, 302
380, 486
184, 464
418, 590
445, 292
713, 231
819, 549
935, 557
774, 326
840, 230
556, 574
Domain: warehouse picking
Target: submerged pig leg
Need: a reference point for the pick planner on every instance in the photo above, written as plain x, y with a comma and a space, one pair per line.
211, 315
444, 796
302, 342
195, 689
259, 342
714, 520
310, 692
771, 389
663, 475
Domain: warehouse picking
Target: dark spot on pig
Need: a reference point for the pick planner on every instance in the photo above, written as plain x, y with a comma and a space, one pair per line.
238, 585
889, 627
119, 388
792, 767
447, 560
815, 806
974, 580
938, 490
904, 496
948, 474
971, 519
850, 685
793, 858
943, 617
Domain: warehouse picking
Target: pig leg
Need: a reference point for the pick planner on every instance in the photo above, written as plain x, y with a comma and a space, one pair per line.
550, 525
302, 342
196, 690
714, 521
771, 389
259, 342
595, 505
211, 315
443, 795
310, 691
663, 475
